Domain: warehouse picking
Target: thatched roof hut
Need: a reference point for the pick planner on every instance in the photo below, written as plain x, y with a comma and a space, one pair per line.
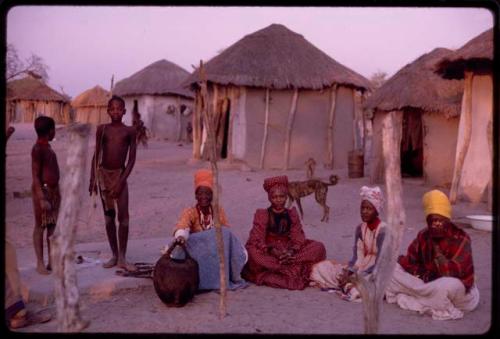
278, 58
91, 106
157, 93
477, 55
426, 102
160, 78
275, 90
30, 97
473, 62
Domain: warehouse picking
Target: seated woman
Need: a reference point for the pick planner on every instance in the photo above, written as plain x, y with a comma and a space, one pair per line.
368, 240
196, 228
279, 254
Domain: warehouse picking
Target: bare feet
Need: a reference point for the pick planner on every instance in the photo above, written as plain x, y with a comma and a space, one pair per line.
112, 262
127, 266
40, 268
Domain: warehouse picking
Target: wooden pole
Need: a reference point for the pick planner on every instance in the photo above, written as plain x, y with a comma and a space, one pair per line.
372, 287
266, 131
467, 116
489, 133
232, 111
178, 124
331, 118
209, 117
66, 287
289, 125
196, 126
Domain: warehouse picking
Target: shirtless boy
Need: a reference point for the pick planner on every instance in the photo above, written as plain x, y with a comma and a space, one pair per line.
113, 142
45, 188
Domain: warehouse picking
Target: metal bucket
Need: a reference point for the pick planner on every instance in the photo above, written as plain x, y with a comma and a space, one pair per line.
356, 164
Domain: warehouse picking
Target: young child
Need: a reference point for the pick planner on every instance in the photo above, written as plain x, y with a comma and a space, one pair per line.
113, 142
45, 188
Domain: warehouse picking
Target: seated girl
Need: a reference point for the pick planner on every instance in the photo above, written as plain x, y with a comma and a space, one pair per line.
279, 254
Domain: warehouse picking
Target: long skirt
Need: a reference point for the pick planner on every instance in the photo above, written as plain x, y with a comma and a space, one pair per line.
443, 298
265, 269
202, 247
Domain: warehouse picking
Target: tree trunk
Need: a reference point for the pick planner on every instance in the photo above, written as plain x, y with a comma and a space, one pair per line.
210, 116
266, 129
331, 117
289, 125
372, 288
459, 163
66, 288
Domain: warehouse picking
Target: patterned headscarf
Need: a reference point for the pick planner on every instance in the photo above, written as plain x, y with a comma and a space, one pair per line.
374, 196
279, 181
436, 202
203, 177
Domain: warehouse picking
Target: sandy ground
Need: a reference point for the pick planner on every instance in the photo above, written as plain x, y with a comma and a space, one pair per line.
161, 184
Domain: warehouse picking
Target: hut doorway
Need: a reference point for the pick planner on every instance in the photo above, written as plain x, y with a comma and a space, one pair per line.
412, 144
225, 131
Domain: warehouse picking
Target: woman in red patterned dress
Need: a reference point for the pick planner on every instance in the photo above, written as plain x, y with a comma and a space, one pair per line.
279, 255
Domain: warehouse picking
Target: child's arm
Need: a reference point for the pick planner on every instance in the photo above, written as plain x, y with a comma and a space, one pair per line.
36, 173
98, 136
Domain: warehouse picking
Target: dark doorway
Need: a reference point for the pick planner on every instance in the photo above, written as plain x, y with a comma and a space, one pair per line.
225, 137
412, 144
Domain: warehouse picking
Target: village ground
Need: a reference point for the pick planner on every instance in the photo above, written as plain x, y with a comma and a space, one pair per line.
160, 185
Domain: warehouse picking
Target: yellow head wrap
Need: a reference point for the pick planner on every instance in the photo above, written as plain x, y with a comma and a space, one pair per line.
203, 177
436, 202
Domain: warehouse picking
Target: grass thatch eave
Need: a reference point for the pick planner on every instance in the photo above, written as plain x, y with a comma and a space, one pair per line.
96, 96
29, 88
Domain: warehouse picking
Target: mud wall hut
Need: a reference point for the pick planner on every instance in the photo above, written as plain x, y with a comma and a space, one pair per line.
430, 109
473, 160
91, 106
164, 105
280, 100
30, 97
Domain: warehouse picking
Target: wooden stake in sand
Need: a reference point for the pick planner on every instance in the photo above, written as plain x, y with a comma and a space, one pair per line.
266, 129
289, 125
66, 287
331, 118
209, 121
459, 163
372, 289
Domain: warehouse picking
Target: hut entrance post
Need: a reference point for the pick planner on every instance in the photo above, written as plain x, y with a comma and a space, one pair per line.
178, 124
232, 110
331, 118
467, 116
289, 125
197, 126
266, 128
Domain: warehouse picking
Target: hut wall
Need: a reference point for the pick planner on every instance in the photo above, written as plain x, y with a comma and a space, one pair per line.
477, 169
376, 161
343, 137
254, 111
95, 115
439, 142
239, 124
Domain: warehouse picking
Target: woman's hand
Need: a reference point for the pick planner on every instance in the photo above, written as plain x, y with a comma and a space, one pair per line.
180, 240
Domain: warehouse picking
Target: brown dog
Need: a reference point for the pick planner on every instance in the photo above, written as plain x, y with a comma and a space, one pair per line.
299, 189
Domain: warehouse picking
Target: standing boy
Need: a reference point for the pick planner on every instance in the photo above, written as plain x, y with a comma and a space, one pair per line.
113, 142
45, 188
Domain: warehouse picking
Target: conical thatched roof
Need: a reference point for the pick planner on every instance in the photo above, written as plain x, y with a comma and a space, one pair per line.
29, 88
417, 86
275, 57
96, 96
160, 78
476, 55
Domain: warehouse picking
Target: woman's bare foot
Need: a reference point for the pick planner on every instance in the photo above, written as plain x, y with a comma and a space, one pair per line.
110, 263
40, 268
127, 266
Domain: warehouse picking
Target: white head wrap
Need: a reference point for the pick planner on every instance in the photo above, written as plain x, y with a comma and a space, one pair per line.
374, 196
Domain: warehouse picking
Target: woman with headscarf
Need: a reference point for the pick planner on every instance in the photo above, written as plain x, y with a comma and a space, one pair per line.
195, 228
436, 276
368, 239
279, 255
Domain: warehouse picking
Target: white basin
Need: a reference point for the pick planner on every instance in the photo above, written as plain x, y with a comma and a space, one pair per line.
481, 222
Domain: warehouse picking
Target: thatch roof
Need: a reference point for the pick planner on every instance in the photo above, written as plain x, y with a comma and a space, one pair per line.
30, 88
277, 58
96, 96
160, 78
417, 86
475, 55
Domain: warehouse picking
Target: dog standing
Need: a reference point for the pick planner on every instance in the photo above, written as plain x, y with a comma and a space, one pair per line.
299, 189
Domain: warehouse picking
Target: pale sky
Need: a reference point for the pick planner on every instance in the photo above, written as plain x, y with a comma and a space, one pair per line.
85, 46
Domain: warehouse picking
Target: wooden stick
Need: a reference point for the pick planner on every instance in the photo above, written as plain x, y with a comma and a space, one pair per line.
209, 121
266, 131
196, 126
372, 287
489, 133
66, 287
331, 118
467, 116
178, 123
232, 111
289, 125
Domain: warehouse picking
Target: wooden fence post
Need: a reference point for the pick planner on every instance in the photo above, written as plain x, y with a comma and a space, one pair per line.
289, 125
66, 288
266, 129
331, 118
